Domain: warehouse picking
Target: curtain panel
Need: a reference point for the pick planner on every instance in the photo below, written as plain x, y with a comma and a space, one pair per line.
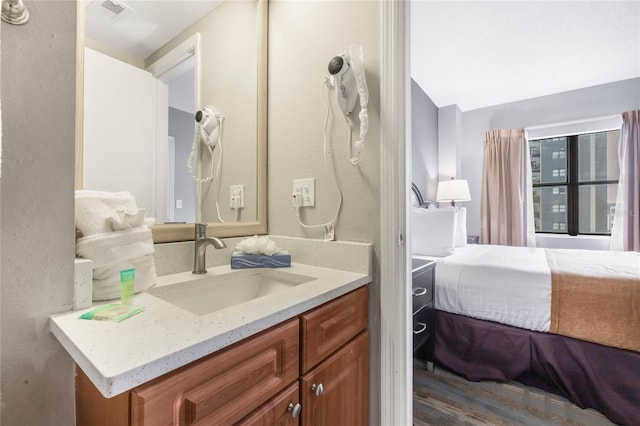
625, 233
506, 208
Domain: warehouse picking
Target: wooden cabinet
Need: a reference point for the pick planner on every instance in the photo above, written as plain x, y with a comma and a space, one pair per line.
336, 392
257, 381
279, 411
93, 409
330, 326
224, 387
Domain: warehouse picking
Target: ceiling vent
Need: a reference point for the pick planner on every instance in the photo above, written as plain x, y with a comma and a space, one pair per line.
106, 10
112, 6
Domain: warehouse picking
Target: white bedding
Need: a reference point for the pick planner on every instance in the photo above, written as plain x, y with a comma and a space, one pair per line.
510, 285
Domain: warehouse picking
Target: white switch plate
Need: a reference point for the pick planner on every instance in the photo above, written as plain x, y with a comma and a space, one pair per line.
307, 187
178, 204
236, 196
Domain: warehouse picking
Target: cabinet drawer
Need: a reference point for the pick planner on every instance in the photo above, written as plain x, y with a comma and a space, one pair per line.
423, 326
223, 388
422, 289
276, 412
331, 325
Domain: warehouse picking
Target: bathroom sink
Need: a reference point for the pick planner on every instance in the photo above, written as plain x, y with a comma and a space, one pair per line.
204, 294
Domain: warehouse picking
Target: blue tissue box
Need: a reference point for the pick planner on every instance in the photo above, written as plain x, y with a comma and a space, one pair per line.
241, 260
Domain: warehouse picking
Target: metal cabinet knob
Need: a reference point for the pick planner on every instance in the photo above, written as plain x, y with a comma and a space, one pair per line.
294, 409
423, 327
419, 291
317, 388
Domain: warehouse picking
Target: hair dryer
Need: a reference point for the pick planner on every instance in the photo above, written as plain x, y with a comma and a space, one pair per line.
209, 120
208, 132
344, 82
348, 79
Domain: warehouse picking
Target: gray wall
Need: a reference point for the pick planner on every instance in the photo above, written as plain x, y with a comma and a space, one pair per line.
303, 37
591, 102
424, 142
37, 199
181, 128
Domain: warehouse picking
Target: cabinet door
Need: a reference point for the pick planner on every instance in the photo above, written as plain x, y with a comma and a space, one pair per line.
337, 391
224, 387
331, 325
279, 411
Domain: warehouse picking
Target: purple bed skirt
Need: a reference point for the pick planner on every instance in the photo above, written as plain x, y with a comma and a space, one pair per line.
588, 374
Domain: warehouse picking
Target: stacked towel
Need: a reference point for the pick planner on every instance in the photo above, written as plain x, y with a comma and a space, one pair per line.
94, 208
115, 237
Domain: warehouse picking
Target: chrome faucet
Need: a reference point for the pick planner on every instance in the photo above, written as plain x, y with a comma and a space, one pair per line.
201, 243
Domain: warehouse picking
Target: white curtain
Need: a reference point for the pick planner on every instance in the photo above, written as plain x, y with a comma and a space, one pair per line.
507, 192
625, 233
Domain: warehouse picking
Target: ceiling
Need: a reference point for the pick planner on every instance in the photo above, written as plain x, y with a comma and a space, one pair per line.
470, 53
482, 53
143, 26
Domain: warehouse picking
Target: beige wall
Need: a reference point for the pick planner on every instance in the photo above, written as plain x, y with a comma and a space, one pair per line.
303, 37
37, 231
228, 82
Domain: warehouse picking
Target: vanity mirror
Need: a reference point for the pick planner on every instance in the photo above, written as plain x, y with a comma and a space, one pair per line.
226, 49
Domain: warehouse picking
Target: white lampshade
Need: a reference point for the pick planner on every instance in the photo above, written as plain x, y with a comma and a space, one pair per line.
453, 190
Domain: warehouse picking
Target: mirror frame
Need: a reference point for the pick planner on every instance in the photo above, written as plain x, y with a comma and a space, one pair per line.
185, 232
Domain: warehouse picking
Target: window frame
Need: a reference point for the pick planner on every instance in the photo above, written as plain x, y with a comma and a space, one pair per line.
572, 184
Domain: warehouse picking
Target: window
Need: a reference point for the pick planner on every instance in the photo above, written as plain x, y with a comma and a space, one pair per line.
575, 183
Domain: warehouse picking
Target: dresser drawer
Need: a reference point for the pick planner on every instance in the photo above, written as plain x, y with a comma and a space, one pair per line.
328, 327
422, 288
224, 387
423, 326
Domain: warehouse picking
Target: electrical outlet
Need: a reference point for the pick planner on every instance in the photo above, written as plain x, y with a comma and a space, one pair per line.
296, 199
178, 204
306, 187
236, 196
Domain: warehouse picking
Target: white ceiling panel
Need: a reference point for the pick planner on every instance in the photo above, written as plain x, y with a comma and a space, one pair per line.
143, 26
481, 53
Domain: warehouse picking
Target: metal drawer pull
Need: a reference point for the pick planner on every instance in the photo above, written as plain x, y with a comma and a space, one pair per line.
419, 291
423, 328
294, 409
317, 388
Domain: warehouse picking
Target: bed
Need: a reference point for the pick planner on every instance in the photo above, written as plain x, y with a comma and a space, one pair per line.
567, 321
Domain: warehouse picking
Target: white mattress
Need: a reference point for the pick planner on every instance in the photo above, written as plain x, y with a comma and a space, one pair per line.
510, 285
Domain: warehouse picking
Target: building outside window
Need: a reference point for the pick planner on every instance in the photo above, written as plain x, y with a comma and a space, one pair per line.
575, 183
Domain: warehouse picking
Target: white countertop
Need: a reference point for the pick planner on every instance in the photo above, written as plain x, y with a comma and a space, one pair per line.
120, 356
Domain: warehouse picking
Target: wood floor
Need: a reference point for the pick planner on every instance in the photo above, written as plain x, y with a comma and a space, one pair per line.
442, 398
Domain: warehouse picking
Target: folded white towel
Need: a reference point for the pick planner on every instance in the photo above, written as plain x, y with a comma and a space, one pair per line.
124, 218
94, 208
106, 280
115, 247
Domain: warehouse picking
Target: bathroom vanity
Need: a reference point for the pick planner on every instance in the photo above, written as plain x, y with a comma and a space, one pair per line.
308, 369
299, 355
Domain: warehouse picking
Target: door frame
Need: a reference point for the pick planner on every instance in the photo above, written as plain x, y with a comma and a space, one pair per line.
396, 353
171, 63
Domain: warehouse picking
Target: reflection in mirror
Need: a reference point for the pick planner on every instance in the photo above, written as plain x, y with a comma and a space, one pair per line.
144, 80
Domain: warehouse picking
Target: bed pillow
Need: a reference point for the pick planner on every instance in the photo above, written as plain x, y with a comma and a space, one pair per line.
461, 227
433, 231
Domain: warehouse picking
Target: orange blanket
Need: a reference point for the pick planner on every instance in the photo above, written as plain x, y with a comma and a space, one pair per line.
595, 296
